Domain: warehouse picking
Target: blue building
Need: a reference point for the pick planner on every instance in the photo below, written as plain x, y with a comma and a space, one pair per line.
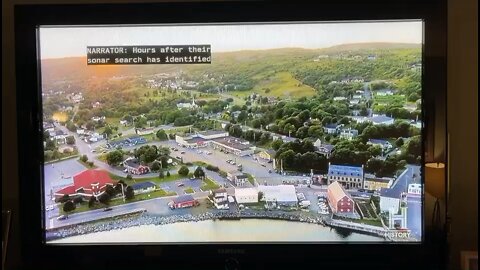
348, 176
143, 187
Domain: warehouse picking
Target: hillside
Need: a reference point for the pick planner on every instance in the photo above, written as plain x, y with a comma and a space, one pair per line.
256, 64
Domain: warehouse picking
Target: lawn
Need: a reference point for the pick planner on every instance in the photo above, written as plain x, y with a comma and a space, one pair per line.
375, 222
155, 179
282, 85
189, 190
118, 201
209, 184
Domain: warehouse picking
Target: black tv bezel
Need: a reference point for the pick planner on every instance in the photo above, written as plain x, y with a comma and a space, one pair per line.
29, 117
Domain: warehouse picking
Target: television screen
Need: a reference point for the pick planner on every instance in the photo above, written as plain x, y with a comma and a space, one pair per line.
286, 132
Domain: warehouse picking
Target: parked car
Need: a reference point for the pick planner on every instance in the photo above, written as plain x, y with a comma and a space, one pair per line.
180, 184
108, 209
62, 217
183, 152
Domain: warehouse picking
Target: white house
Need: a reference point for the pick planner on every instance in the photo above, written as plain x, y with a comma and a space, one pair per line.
384, 144
81, 131
389, 200
382, 120
348, 133
339, 98
220, 198
331, 128
246, 195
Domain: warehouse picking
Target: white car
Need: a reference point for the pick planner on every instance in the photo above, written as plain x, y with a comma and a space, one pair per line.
49, 207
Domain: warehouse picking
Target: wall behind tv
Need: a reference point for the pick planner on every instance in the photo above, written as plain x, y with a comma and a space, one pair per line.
462, 122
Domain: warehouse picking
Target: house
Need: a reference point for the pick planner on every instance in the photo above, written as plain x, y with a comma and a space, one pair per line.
339, 200
348, 133
372, 57
326, 150
357, 96
246, 195
389, 200
87, 183
98, 118
144, 131
280, 195
81, 131
48, 126
381, 120
339, 98
268, 155
133, 166
183, 201
123, 122
377, 183
187, 106
354, 101
96, 104
60, 136
331, 128
385, 92
237, 178
220, 198
348, 176
384, 144
143, 187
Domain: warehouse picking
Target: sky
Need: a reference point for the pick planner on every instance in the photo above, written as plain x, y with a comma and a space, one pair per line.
58, 42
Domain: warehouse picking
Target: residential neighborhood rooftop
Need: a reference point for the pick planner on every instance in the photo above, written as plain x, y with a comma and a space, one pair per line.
142, 185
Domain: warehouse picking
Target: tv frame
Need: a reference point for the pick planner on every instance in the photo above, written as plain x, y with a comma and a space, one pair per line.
29, 117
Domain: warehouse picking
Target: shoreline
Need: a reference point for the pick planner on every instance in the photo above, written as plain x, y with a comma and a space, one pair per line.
143, 218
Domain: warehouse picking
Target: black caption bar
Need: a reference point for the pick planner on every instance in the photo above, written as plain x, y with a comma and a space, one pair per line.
147, 55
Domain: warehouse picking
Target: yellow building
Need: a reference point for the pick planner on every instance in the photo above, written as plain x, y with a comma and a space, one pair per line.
377, 183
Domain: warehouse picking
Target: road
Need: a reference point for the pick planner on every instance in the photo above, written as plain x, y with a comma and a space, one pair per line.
157, 206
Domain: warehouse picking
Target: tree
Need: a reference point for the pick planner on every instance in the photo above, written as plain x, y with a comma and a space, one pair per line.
277, 144
161, 175
110, 190
168, 174
260, 196
64, 198
129, 193
104, 198
183, 170
108, 131
199, 173
129, 177
155, 166
69, 206
399, 142
114, 157
91, 201
162, 135
78, 200
50, 144
71, 126
84, 158
90, 164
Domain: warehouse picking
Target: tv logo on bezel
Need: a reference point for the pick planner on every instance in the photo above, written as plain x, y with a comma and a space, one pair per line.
398, 234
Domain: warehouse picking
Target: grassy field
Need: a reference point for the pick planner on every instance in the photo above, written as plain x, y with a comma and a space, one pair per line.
209, 184
189, 190
281, 85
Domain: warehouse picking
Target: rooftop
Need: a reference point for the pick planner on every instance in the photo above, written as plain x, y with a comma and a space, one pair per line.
377, 141
389, 193
337, 191
246, 191
331, 126
234, 143
183, 198
341, 170
142, 185
212, 132
132, 162
381, 119
280, 193
86, 179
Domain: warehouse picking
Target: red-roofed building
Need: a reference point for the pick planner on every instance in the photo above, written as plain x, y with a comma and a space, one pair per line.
87, 183
339, 200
